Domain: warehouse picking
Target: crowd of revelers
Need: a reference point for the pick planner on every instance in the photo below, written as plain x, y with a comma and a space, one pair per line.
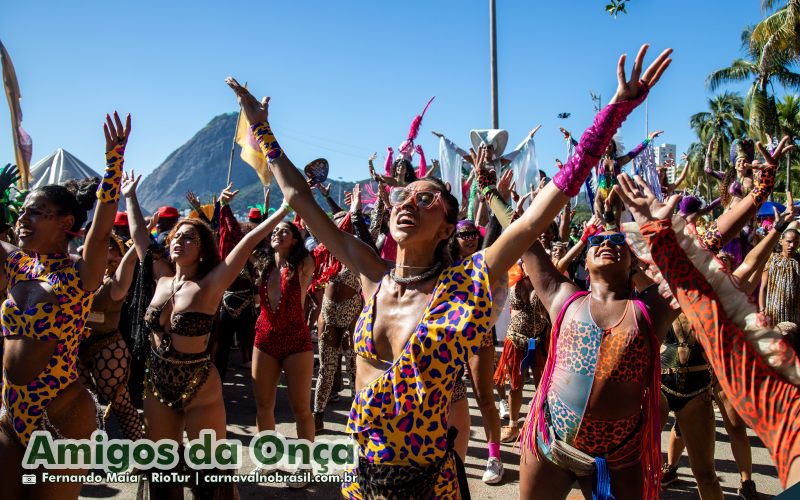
657, 304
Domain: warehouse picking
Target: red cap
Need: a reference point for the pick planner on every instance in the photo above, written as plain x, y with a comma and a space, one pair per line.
254, 213
121, 219
168, 213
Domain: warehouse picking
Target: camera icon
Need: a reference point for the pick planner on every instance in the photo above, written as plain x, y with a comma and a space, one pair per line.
29, 479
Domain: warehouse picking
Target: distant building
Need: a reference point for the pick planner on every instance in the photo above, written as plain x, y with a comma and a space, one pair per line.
665, 155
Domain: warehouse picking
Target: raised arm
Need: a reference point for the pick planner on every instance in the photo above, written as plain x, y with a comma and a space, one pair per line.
589, 230
708, 163
749, 271
354, 254
325, 191
136, 222
568, 181
680, 178
95, 247
230, 232
636, 151
221, 277
552, 287
123, 276
728, 225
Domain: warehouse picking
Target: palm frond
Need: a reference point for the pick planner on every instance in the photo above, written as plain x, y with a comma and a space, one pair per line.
738, 71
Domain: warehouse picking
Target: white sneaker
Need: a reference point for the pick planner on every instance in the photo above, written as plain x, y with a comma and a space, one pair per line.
494, 471
504, 413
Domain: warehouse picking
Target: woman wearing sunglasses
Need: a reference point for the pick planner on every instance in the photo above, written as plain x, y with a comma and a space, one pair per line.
424, 318
596, 408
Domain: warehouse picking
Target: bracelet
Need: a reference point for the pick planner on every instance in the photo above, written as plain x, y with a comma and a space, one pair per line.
485, 190
266, 139
781, 226
285, 206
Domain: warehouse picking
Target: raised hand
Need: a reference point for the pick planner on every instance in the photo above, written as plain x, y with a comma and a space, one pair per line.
418, 149
228, 194
192, 198
372, 158
153, 222
129, 183
783, 147
324, 190
116, 134
8, 176
266, 198
486, 178
255, 111
653, 135
641, 202
628, 90
566, 133
504, 184
533, 132
355, 202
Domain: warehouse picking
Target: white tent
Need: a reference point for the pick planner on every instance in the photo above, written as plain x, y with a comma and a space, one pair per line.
57, 168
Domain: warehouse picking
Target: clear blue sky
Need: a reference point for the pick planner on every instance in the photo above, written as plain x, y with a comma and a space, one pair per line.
346, 78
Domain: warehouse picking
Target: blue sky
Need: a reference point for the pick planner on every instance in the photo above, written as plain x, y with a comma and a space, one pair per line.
346, 78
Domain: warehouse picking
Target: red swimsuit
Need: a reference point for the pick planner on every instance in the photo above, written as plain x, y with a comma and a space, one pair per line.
283, 332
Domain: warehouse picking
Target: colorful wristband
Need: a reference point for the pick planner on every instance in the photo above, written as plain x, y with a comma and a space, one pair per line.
485, 191
269, 145
108, 190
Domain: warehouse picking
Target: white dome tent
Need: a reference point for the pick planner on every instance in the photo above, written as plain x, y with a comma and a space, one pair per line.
59, 167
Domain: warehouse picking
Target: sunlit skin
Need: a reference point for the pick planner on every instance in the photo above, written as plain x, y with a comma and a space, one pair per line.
184, 247
40, 228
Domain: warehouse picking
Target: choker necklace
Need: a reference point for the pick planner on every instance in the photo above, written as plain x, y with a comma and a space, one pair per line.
430, 273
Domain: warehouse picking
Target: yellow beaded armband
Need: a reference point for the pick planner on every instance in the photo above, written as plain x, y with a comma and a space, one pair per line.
108, 190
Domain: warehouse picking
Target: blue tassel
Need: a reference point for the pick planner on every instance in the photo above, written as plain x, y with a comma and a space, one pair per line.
602, 480
528, 359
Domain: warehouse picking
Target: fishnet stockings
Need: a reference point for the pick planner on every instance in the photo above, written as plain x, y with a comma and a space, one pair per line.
106, 373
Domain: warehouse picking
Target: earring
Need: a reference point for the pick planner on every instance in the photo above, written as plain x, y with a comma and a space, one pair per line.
201, 259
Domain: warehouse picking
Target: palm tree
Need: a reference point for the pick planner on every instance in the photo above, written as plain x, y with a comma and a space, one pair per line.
780, 31
724, 123
789, 118
761, 68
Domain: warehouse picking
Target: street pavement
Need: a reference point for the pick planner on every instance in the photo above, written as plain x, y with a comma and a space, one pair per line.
241, 425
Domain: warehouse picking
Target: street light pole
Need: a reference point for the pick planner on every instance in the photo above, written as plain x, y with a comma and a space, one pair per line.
493, 61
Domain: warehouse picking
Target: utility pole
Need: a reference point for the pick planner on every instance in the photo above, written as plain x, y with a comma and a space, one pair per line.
493, 61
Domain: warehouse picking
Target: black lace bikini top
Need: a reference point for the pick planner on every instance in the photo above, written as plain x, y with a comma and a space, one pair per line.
185, 324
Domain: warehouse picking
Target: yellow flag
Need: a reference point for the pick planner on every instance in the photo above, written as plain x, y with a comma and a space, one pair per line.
251, 152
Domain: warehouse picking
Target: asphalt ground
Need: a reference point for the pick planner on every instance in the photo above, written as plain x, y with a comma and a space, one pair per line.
241, 412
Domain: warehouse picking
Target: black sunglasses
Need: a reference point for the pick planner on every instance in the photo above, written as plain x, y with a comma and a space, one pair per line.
468, 235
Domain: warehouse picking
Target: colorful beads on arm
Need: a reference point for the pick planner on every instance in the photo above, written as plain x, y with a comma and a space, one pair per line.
108, 190
266, 139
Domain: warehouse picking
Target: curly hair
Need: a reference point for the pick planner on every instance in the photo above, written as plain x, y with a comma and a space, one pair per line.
75, 198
